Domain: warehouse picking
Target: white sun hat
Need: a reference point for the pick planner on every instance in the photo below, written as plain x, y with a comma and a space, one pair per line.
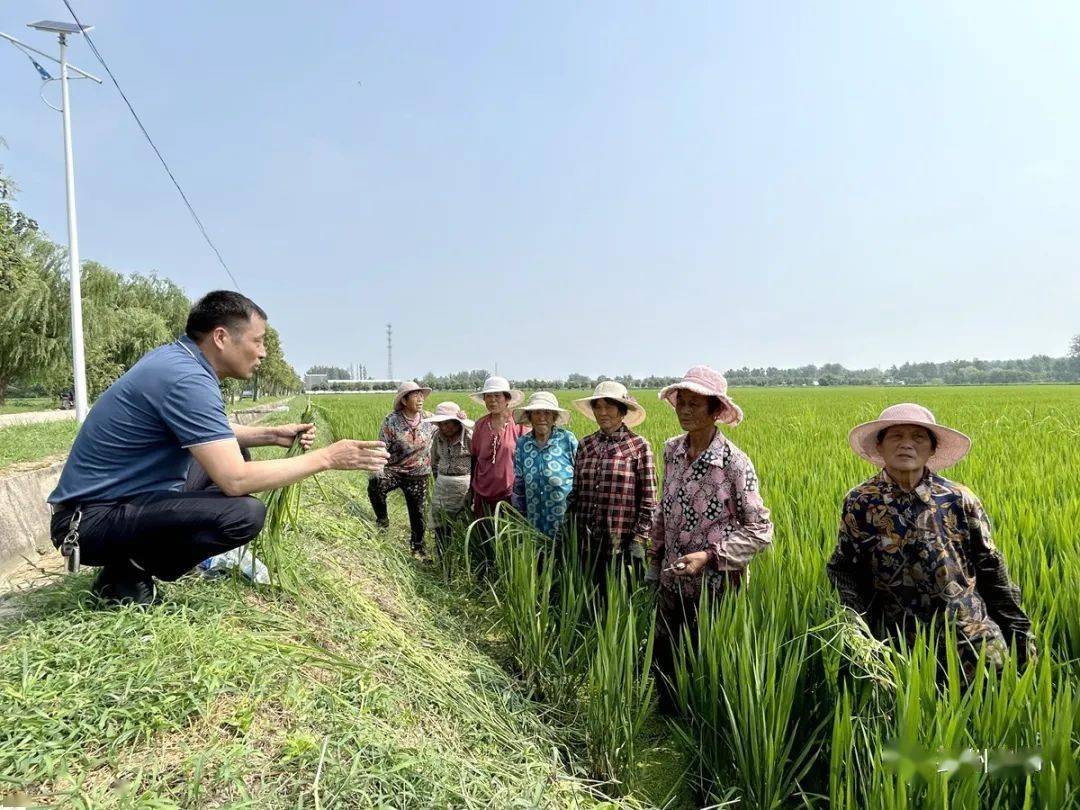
498, 385
952, 445
609, 389
406, 388
450, 411
542, 401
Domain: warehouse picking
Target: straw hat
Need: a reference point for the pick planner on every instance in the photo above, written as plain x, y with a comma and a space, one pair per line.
498, 385
449, 411
952, 445
405, 389
708, 382
542, 401
609, 389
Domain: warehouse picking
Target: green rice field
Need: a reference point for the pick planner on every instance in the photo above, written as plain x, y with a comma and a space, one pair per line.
786, 702
368, 679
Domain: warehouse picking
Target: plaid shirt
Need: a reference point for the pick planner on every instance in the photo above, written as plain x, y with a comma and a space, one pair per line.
614, 485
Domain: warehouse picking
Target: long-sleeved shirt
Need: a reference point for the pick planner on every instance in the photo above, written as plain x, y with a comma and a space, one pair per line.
409, 446
493, 458
543, 477
709, 504
451, 457
614, 491
905, 556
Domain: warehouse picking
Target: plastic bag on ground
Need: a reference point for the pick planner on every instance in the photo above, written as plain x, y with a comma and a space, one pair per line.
241, 558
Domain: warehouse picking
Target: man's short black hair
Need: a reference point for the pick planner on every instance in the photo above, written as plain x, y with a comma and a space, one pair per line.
220, 308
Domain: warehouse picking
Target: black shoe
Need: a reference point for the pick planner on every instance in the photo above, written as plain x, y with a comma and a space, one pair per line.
123, 584
419, 554
382, 524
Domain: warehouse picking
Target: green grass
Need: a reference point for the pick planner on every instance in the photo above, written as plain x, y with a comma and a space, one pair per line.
363, 691
380, 680
20, 443
26, 404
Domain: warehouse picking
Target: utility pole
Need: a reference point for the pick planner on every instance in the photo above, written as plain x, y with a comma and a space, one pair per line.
78, 353
389, 352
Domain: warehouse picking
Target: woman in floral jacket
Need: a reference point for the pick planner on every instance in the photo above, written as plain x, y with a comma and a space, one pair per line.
914, 546
711, 520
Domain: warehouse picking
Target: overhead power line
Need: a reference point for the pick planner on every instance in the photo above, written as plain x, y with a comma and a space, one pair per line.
149, 140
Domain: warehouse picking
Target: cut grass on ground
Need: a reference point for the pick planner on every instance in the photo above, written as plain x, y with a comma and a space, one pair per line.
21, 443
363, 690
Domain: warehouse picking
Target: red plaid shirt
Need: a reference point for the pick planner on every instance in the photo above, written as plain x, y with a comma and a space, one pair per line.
614, 485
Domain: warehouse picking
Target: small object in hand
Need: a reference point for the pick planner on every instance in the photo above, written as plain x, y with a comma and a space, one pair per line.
679, 566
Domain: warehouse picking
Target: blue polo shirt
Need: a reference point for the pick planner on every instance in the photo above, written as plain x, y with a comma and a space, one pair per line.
136, 437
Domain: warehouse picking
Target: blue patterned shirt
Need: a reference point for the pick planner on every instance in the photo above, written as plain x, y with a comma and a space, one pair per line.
543, 477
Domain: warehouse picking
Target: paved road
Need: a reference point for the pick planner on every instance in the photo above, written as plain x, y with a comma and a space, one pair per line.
33, 417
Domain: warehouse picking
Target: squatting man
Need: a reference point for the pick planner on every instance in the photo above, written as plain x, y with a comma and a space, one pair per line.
158, 480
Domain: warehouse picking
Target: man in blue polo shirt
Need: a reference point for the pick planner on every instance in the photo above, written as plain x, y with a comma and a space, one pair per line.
122, 488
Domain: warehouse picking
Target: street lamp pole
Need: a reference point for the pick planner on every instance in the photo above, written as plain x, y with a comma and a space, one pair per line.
78, 352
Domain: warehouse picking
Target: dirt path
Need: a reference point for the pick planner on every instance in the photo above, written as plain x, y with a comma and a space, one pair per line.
34, 417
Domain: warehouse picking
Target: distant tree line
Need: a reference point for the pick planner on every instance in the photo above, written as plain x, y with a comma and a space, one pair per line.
1036, 369
124, 316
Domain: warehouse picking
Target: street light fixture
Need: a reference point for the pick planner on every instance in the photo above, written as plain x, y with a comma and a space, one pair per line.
78, 352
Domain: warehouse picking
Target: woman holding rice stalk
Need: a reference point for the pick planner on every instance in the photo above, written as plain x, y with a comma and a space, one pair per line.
711, 520
544, 463
451, 464
408, 440
614, 482
914, 546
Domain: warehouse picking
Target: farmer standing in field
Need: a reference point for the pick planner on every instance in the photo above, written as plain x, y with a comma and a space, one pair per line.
914, 546
614, 490
544, 463
119, 503
711, 520
451, 464
407, 436
494, 441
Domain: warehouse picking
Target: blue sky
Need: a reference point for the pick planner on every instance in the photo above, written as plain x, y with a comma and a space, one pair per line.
603, 187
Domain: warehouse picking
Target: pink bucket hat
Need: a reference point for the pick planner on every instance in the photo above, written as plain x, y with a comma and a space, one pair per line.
447, 411
708, 382
952, 445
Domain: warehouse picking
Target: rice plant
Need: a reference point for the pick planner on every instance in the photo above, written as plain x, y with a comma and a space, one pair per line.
620, 689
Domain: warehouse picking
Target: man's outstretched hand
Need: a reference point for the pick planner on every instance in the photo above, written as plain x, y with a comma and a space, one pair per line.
349, 454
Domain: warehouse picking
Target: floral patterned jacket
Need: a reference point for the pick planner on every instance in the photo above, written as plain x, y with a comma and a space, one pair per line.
710, 504
904, 557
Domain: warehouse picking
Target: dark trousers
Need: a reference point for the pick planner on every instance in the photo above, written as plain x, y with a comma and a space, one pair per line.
483, 534
414, 488
165, 533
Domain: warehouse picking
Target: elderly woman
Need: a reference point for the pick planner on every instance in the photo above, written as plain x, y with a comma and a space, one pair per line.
451, 464
408, 440
914, 545
615, 480
493, 443
544, 463
711, 520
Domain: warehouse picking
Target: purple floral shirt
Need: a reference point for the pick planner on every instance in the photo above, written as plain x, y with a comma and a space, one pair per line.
711, 504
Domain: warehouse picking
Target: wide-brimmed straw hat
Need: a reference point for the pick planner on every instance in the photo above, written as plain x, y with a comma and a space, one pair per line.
542, 401
450, 411
498, 385
952, 445
609, 389
405, 389
707, 382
